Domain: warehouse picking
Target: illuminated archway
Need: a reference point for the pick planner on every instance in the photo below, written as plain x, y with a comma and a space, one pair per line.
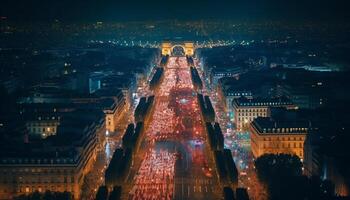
178, 50
168, 48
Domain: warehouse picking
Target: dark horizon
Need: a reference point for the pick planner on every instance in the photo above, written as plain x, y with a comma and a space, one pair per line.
136, 10
177, 99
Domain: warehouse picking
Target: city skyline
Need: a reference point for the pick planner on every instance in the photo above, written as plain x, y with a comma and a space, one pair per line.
177, 100
290, 10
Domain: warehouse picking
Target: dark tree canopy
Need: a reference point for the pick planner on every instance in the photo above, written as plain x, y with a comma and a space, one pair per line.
282, 173
271, 166
102, 193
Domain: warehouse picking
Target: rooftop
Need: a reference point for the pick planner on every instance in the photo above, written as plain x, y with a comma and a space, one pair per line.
63, 148
262, 101
269, 125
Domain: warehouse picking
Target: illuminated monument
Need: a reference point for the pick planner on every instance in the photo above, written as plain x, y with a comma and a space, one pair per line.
168, 47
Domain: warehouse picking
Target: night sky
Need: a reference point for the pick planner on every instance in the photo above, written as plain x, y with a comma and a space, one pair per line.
117, 10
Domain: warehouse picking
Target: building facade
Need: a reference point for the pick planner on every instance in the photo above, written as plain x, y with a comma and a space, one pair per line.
227, 96
246, 110
58, 165
43, 126
167, 47
270, 136
215, 73
114, 112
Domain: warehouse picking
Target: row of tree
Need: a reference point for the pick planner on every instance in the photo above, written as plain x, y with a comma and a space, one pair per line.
132, 136
206, 107
231, 167
156, 79
215, 136
226, 167
164, 60
196, 79
241, 194
190, 61
119, 167
143, 108
104, 194
122, 157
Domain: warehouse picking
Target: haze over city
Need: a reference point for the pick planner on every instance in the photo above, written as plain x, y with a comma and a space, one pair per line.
183, 100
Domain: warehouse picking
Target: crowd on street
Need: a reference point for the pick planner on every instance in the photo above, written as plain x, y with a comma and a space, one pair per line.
155, 178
